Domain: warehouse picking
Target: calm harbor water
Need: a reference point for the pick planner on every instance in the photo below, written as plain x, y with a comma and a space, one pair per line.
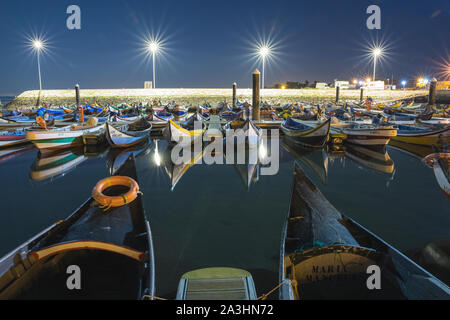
212, 217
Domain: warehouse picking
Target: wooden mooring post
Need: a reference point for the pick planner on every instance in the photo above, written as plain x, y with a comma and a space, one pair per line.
234, 95
361, 95
337, 94
80, 110
432, 93
256, 87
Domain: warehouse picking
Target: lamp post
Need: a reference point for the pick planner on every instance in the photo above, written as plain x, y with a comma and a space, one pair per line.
38, 45
153, 48
264, 51
403, 84
376, 53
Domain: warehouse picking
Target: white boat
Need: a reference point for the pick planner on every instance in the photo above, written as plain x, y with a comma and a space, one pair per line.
184, 133
435, 120
369, 135
129, 135
250, 130
56, 138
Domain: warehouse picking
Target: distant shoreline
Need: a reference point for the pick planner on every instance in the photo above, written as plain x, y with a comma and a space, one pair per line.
199, 96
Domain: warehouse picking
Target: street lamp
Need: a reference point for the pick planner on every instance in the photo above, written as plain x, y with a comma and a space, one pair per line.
153, 47
403, 84
264, 51
376, 52
38, 45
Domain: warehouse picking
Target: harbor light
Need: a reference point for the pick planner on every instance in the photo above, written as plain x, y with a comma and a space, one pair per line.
355, 81
153, 48
38, 45
368, 80
283, 86
403, 83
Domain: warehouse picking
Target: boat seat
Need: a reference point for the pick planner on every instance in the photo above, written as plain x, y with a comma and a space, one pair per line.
81, 245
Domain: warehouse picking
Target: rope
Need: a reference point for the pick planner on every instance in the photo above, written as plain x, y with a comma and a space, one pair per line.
264, 296
146, 296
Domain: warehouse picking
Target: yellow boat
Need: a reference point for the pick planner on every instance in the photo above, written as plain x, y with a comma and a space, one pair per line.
422, 136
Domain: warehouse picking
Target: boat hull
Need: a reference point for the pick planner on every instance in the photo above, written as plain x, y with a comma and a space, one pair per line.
427, 138
122, 139
370, 137
315, 137
59, 139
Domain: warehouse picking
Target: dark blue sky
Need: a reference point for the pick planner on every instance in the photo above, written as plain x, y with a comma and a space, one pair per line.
209, 43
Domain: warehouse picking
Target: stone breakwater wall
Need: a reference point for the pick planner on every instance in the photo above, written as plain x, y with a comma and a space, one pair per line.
194, 97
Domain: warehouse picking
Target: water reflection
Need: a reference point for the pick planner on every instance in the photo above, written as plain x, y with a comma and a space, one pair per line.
13, 152
376, 159
192, 225
49, 166
53, 165
413, 150
176, 171
314, 159
116, 157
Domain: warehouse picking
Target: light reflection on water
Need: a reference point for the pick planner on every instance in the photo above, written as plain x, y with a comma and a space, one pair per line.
216, 215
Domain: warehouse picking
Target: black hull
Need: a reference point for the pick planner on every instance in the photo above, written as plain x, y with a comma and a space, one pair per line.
329, 255
113, 249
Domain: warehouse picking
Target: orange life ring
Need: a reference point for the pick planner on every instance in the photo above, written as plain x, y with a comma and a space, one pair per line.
116, 201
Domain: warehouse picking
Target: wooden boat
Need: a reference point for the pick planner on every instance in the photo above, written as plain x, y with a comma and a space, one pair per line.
439, 162
326, 255
186, 132
133, 134
180, 110
113, 250
369, 135
65, 137
164, 114
245, 131
204, 111
230, 115
11, 138
305, 135
376, 159
216, 284
52, 165
435, 121
422, 136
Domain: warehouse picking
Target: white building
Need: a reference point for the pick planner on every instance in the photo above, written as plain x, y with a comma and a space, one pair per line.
374, 85
321, 85
341, 84
148, 84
